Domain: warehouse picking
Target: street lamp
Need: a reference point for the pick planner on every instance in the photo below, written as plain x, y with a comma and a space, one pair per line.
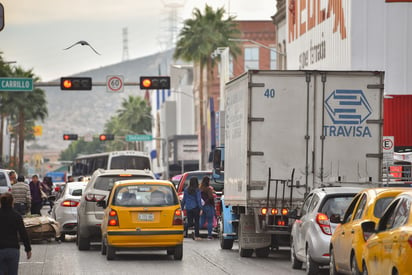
257, 43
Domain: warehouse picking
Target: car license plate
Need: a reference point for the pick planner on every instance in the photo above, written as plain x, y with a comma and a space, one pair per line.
146, 217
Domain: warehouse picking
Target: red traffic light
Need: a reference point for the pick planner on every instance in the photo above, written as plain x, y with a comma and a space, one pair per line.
105, 137
154, 82
70, 137
76, 83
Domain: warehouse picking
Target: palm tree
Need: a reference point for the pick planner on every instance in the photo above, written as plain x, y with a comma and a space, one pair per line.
25, 106
5, 71
197, 40
133, 117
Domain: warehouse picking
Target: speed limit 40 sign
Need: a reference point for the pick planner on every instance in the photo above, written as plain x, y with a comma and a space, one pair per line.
114, 83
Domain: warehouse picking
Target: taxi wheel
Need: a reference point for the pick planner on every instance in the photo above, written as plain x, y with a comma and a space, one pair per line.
170, 251
354, 266
178, 254
332, 264
110, 252
365, 269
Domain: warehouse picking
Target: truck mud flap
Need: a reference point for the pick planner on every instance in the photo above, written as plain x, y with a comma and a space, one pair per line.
248, 238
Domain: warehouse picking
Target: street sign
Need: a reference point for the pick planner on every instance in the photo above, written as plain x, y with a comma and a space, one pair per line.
388, 145
16, 84
139, 137
38, 130
114, 83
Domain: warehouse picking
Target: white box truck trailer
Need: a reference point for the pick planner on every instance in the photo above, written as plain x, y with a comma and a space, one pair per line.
287, 132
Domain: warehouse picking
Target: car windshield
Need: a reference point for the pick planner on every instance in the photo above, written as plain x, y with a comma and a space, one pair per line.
336, 205
106, 182
3, 180
145, 195
130, 162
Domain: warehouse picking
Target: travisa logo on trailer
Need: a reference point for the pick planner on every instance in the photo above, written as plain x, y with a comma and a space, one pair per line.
348, 111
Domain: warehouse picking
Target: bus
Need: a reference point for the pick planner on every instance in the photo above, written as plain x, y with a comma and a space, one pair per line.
85, 165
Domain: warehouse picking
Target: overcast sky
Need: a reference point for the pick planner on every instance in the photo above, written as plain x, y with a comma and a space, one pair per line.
37, 31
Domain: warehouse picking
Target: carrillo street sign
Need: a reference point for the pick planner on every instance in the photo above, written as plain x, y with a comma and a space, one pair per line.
16, 84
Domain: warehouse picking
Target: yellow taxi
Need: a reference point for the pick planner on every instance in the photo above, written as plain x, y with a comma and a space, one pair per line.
348, 240
142, 214
389, 250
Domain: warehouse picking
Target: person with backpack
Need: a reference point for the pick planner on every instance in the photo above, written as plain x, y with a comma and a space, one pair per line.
192, 203
208, 197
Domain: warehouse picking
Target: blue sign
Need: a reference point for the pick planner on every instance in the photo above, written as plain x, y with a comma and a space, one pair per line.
348, 110
348, 107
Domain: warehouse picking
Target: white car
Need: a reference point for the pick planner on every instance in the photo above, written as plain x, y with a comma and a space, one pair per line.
65, 208
5, 184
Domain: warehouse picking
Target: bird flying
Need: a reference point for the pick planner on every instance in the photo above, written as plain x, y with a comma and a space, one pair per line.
83, 43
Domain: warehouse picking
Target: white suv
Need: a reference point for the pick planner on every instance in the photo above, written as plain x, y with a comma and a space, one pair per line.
89, 214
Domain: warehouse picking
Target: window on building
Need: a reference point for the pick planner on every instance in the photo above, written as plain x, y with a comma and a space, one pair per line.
251, 58
273, 56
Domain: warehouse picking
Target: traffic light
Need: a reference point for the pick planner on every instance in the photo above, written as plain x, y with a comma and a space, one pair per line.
70, 137
154, 82
76, 83
105, 137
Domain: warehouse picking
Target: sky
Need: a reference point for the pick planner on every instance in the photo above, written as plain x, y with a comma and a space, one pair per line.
36, 32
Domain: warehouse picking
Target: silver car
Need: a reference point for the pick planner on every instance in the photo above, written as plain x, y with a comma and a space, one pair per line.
89, 214
312, 231
65, 208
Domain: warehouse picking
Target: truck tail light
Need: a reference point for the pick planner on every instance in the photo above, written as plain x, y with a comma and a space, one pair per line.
263, 211
323, 221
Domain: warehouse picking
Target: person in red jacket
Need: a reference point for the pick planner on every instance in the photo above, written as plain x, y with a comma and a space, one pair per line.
11, 228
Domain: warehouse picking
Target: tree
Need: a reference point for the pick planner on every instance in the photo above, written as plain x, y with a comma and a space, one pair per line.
25, 107
198, 39
5, 71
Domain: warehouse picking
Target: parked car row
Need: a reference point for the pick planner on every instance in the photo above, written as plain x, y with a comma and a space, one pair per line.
354, 231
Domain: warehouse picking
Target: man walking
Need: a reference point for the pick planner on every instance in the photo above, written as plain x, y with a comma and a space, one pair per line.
22, 196
36, 198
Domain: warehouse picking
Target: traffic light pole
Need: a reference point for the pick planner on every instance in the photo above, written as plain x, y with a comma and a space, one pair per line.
57, 84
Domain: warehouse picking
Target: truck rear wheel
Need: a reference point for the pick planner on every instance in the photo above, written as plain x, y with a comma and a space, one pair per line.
262, 252
247, 253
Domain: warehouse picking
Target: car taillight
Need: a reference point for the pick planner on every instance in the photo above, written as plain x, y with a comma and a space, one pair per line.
94, 197
113, 220
323, 221
69, 203
178, 217
285, 211
410, 241
274, 211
